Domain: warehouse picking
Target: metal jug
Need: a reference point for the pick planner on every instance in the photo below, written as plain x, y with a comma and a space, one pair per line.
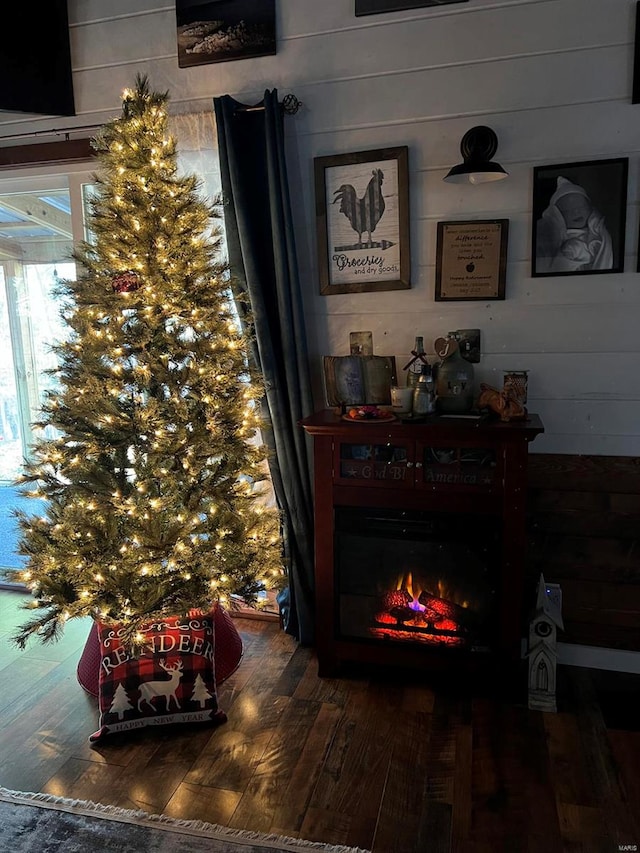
454, 383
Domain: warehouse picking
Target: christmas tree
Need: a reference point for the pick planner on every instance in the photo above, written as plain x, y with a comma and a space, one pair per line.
152, 485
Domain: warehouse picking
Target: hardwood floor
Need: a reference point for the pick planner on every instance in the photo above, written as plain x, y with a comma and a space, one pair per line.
384, 763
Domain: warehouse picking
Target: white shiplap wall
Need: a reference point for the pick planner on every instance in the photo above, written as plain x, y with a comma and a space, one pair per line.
552, 77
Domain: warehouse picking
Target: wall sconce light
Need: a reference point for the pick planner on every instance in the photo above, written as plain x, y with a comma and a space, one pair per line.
477, 148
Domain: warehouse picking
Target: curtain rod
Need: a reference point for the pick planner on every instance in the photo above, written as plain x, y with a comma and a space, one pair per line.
65, 131
290, 105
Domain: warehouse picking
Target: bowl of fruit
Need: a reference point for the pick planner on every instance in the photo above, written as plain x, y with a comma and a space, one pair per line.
369, 414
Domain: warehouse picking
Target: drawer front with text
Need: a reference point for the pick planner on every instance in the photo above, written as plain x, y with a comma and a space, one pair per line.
458, 468
383, 465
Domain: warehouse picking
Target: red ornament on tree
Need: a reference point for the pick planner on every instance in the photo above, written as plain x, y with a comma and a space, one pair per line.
126, 282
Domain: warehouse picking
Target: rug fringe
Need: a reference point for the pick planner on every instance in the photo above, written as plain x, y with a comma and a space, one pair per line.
189, 827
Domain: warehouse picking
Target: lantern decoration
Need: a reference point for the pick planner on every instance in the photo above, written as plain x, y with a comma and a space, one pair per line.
543, 647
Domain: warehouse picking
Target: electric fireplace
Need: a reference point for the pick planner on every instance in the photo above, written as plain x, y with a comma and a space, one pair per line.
417, 577
419, 542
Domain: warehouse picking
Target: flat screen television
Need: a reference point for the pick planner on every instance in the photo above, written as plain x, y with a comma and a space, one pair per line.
35, 59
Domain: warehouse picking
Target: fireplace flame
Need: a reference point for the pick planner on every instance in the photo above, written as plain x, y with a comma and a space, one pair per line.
404, 583
412, 612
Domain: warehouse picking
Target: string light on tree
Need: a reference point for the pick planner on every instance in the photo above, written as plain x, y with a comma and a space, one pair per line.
152, 485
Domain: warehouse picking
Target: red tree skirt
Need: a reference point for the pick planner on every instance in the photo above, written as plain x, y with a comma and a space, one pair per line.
227, 653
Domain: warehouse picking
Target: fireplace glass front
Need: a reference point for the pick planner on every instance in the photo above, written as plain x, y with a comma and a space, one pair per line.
418, 577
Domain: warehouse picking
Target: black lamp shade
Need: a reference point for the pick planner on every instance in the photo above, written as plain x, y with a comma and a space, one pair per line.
477, 148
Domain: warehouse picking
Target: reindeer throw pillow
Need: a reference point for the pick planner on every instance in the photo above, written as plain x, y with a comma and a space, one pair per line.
173, 681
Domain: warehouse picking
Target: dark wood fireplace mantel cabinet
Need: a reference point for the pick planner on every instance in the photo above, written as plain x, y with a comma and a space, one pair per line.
419, 541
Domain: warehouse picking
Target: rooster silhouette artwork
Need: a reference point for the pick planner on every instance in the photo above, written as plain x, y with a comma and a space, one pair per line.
363, 213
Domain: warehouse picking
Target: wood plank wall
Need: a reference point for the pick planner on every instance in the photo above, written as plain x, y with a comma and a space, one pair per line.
584, 531
553, 78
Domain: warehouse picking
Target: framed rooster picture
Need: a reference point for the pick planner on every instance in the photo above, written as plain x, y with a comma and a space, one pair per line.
362, 220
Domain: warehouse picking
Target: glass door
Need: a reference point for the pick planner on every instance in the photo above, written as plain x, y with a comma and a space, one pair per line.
31, 324
10, 434
41, 216
376, 462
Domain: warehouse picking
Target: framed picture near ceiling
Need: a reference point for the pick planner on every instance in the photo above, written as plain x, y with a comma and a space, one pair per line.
376, 7
471, 260
220, 30
579, 214
362, 221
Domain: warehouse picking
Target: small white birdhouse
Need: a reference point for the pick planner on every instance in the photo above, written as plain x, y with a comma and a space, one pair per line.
542, 654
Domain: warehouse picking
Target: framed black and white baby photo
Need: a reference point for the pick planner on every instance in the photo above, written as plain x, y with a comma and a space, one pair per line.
579, 213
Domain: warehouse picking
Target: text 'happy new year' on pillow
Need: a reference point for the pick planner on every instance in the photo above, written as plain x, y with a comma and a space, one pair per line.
172, 682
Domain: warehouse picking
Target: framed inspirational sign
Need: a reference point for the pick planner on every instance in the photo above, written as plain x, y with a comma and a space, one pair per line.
471, 259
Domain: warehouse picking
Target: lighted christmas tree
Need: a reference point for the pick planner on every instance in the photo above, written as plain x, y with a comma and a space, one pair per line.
152, 486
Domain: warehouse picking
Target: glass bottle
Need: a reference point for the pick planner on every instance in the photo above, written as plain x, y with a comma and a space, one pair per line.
424, 393
414, 367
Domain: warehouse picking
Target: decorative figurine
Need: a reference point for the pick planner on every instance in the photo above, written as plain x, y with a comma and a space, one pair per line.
501, 403
542, 654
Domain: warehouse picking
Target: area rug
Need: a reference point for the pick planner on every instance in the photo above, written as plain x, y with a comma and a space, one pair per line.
48, 824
